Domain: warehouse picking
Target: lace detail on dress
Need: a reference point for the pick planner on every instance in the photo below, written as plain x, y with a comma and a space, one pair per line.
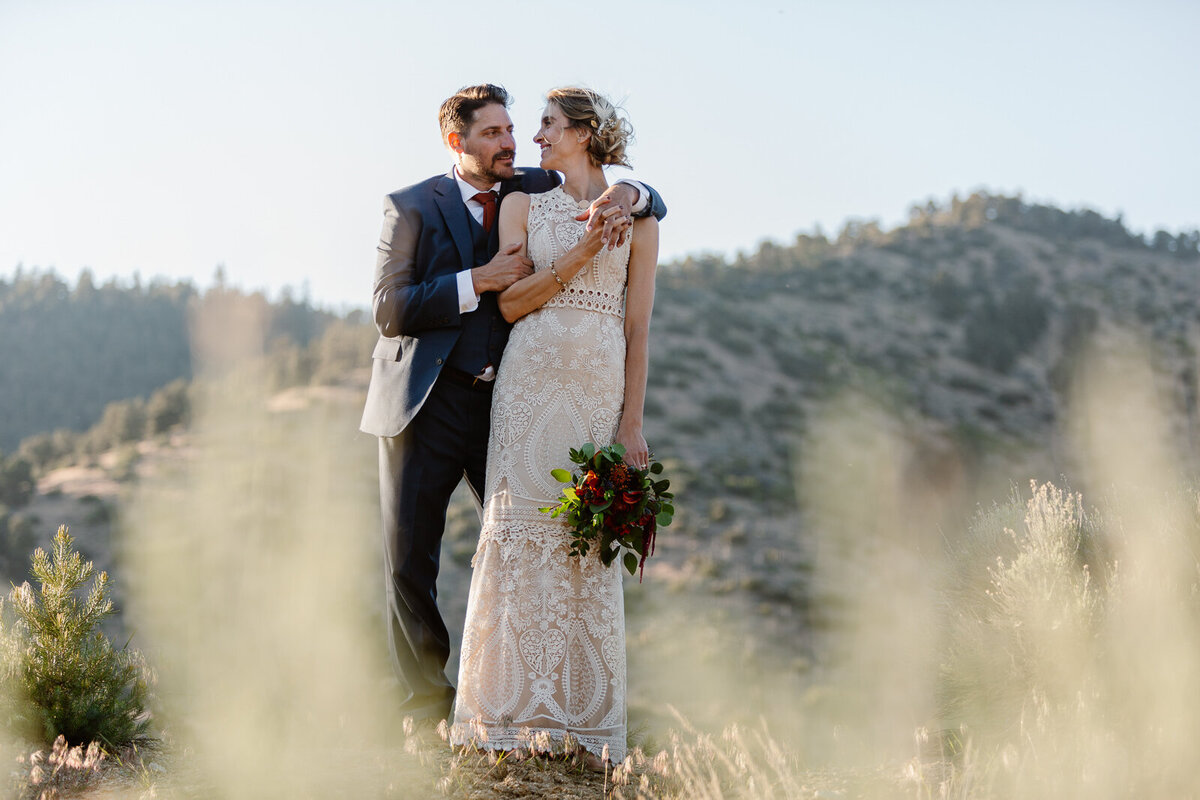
510, 738
544, 641
544, 644
588, 299
553, 230
520, 528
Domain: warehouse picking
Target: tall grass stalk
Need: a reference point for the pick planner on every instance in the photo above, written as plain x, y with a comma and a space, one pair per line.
257, 579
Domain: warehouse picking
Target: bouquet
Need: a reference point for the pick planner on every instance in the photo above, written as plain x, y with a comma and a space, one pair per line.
613, 506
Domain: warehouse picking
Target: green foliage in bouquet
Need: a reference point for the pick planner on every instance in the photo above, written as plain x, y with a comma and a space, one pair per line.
613, 506
69, 679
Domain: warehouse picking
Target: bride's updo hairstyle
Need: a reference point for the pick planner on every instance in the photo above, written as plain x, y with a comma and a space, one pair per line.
592, 112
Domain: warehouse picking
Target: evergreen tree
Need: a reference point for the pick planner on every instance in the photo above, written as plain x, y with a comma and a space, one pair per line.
74, 683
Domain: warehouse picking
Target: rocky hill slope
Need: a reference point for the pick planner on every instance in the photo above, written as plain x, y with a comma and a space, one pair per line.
897, 378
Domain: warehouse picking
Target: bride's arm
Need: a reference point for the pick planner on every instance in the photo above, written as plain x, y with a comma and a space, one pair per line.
639, 302
532, 291
514, 216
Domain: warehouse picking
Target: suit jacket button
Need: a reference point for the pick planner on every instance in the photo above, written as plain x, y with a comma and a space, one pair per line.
439, 361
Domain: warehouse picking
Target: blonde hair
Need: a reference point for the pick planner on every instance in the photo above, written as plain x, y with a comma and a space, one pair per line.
592, 112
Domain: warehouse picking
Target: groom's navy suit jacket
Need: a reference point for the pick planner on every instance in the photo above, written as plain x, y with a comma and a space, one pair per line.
426, 242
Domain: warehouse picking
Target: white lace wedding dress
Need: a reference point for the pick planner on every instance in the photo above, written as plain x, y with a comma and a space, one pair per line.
544, 641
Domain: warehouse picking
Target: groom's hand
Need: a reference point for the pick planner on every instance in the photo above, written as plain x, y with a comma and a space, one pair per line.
506, 268
613, 213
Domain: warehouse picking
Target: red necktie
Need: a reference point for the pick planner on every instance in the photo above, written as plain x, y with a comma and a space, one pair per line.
488, 201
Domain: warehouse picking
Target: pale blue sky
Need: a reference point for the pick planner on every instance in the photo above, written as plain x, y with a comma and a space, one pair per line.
167, 137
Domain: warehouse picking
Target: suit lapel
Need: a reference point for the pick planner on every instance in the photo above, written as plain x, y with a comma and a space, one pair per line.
449, 202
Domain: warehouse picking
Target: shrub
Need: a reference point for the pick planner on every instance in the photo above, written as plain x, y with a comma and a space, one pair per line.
1001, 329
16, 481
70, 678
1026, 592
16, 537
168, 407
726, 406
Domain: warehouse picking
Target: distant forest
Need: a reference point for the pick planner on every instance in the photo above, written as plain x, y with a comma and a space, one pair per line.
67, 352
970, 314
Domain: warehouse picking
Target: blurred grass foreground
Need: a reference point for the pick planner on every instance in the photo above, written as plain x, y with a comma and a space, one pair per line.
1048, 647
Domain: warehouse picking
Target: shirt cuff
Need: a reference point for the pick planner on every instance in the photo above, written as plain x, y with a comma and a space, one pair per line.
468, 301
643, 196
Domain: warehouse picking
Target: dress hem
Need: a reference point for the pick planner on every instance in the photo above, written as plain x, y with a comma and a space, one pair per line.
511, 737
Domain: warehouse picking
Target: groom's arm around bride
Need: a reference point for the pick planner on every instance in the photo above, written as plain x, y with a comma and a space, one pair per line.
438, 270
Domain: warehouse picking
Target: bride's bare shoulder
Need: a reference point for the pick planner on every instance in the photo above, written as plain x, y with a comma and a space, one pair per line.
515, 197
514, 210
515, 203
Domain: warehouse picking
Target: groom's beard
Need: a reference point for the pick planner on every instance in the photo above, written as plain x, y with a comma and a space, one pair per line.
497, 169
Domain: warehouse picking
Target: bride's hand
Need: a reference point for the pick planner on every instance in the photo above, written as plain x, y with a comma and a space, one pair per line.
615, 225
608, 219
591, 243
637, 453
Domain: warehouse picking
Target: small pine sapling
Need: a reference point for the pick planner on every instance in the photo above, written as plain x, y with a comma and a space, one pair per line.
76, 684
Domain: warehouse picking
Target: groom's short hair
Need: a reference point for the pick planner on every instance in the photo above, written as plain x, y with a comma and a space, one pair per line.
458, 112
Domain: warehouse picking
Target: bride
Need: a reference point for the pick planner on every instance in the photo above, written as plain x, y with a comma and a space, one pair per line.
543, 649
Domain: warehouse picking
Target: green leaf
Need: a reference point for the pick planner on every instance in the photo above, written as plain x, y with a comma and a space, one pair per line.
656, 468
661, 487
663, 519
587, 451
631, 563
598, 507
560, 475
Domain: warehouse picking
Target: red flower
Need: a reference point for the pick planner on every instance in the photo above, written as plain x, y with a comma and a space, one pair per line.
589, 490
635, 504
627, 500
621, 476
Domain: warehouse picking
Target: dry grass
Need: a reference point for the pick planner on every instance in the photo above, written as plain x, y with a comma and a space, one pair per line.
1074, 677
739, 763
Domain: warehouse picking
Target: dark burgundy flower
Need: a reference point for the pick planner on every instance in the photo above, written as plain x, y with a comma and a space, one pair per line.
621, 476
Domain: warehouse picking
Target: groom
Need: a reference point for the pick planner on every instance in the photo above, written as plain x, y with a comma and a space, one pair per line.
439, 268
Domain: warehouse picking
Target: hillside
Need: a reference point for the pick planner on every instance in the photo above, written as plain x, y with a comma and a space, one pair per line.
965, 327
804, 397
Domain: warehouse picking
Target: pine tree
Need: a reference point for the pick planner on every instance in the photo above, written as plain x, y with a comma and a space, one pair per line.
75, 683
